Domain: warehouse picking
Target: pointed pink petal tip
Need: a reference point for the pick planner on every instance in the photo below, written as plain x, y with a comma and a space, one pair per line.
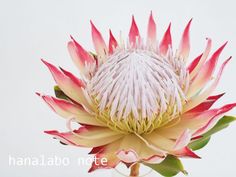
191, 154
189, 23
220, 49
151, 30
186, 152
184, 46
206, 104
134, 33
216, 97
45, 62
72, 38
206, 72
194, 63
151, 19
76, 43
51, 132
211, 123
166, 41
93, 26
53, 69
50, 66
73, 77
98, 41
112, 42
37, 93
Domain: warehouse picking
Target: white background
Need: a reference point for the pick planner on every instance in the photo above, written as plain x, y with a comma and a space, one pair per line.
30, 30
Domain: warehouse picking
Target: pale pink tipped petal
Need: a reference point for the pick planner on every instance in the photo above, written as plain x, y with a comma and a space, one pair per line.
184, 46
98, 41
198, 124
75, 79
75, 57
68, 85
160, 141
203, 96
56, 73
205, 73
186, 152
59, 76
174, 146
123, 151
183, 140
211, 123
187, 121
104, 161
134, 36
155, 159
82, 53
112, 43
206, 104
63, 107
69, 110
166, 41
215, 97
107, 152
151, 32
138, 150
88, 136
79, 55
61, 137
202, 60
127, 156
194, 63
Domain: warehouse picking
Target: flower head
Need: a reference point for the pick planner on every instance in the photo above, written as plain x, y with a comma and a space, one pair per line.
140, 101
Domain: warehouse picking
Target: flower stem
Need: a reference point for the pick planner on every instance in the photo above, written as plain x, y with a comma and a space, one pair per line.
134, 171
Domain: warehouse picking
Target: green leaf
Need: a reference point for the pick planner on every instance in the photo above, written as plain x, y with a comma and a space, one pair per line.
171, 166
221, 124
200, 143
59, 93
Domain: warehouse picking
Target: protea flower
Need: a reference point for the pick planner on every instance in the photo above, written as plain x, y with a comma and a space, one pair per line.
140, 102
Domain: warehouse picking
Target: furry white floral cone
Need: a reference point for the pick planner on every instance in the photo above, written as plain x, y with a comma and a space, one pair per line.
140, 102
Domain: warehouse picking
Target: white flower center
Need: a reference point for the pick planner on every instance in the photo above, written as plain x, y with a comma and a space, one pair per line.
139, 84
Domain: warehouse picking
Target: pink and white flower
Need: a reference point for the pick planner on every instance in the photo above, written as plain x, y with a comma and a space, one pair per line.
138, 102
